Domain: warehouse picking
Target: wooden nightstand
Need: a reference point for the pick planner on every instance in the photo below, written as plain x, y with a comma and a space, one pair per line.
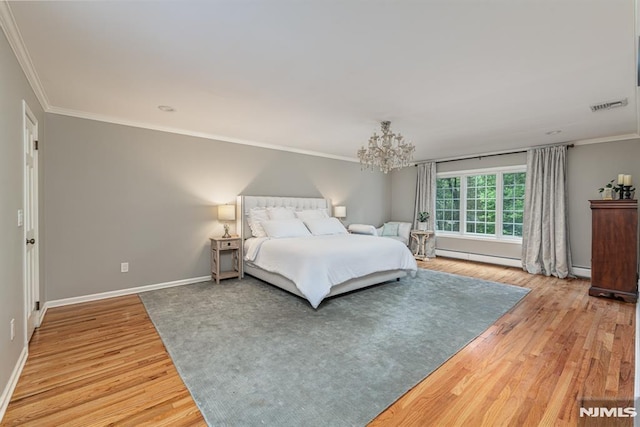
219, 245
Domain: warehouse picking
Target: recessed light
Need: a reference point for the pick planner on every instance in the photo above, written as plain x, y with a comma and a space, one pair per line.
553, 132
166, 108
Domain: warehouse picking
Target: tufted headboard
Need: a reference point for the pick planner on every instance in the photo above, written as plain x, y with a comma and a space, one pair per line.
245, 203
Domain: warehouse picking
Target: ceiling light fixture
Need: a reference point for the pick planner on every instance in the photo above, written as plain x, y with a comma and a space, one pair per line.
166, 108
383, 154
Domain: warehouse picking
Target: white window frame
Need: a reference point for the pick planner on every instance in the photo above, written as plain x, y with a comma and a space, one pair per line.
463, 234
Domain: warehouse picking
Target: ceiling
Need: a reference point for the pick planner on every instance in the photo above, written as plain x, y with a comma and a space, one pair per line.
455, 77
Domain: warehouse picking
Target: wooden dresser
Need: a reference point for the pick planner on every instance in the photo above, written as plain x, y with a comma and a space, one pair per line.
614, 249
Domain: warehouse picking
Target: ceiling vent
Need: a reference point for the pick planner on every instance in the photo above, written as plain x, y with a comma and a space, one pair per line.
609, 105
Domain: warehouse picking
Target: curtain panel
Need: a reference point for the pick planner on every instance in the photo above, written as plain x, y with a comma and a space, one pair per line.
426, 202
545, 240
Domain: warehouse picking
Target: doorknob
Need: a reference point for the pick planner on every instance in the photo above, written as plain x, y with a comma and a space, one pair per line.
31, 241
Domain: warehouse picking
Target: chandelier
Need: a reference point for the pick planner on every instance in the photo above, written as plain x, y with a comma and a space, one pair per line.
382, 153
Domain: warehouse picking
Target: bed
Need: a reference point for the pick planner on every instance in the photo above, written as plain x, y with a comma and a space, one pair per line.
316, 264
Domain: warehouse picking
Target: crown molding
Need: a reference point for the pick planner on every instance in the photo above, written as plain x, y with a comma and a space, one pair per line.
615, 138
8, 24
186, 132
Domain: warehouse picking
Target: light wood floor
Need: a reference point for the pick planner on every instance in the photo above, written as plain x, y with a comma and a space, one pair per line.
102, 363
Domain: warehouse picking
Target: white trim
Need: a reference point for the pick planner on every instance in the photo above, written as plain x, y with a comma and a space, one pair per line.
121, 292
581, 272
615, 138
205, 135
8, 24
13, 381
509, 262
478, 237
482, 171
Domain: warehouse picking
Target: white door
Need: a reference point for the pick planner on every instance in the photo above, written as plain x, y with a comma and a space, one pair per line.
30, 221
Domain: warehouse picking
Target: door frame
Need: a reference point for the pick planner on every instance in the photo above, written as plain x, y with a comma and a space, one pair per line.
27, 117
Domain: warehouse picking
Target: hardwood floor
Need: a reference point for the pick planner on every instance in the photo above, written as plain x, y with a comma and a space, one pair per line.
102, 363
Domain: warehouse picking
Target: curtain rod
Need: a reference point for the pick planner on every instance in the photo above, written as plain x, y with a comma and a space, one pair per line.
480, 156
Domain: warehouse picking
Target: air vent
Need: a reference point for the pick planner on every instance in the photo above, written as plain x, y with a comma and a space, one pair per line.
609, 105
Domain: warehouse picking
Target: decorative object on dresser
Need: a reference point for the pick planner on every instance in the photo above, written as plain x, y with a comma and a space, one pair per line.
626, 190
220, 245
614, 249
608, 191
226, 213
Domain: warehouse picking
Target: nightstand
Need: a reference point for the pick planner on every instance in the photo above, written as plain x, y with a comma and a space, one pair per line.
220, 245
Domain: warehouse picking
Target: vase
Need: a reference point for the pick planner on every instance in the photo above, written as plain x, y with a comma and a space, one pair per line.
607, 194
422, 226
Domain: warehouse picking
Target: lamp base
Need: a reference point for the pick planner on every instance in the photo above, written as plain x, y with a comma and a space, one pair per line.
226, 234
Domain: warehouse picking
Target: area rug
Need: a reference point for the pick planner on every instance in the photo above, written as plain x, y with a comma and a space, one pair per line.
252, 354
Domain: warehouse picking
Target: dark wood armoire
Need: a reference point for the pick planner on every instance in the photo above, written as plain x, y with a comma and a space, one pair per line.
614, 249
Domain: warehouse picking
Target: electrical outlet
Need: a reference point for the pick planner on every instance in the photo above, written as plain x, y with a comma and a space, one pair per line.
20, 217
13, 329
124, 267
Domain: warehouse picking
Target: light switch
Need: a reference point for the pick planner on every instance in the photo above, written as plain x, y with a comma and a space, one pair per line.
20, 218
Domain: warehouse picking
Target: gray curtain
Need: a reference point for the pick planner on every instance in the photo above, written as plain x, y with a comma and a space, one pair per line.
426, 201
545, 239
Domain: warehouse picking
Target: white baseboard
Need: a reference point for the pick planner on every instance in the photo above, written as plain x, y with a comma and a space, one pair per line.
509, 262
13, 381
582, 272
121, 292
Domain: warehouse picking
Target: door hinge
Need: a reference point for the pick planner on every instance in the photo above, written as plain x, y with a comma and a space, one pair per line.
35, 144
38, 305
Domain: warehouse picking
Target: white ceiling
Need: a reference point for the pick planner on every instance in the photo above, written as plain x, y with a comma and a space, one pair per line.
454, 77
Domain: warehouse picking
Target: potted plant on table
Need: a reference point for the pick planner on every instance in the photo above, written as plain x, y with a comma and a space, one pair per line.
423, 217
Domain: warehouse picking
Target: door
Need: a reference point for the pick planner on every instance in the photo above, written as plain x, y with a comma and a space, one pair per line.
30, 222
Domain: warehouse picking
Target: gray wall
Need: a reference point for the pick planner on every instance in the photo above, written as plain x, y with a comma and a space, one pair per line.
590, 167
13, 90
123, 194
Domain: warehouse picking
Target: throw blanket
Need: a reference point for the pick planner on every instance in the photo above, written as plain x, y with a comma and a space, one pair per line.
316, 263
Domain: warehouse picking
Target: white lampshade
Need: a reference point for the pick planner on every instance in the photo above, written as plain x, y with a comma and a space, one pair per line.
226, 213
340, 211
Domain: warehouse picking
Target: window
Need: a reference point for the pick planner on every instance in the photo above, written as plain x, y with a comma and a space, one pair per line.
485, 203
448, 204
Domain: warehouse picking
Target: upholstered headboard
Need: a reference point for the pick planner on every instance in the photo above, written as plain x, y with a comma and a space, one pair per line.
245, 203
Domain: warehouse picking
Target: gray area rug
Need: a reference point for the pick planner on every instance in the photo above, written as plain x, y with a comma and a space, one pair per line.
252, 354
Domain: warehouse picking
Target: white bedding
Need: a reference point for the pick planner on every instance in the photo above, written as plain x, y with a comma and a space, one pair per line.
316, 263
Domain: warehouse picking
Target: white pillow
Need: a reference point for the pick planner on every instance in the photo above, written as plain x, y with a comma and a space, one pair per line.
312, 214
324, 226
278, 228
281, 213
256, 216
363, 229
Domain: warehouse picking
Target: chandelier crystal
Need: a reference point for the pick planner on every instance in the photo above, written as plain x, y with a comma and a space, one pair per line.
382, 153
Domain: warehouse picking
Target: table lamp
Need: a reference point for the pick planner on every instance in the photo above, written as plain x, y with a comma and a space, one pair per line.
226, 213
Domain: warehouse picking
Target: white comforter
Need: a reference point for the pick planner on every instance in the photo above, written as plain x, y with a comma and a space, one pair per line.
317, 263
